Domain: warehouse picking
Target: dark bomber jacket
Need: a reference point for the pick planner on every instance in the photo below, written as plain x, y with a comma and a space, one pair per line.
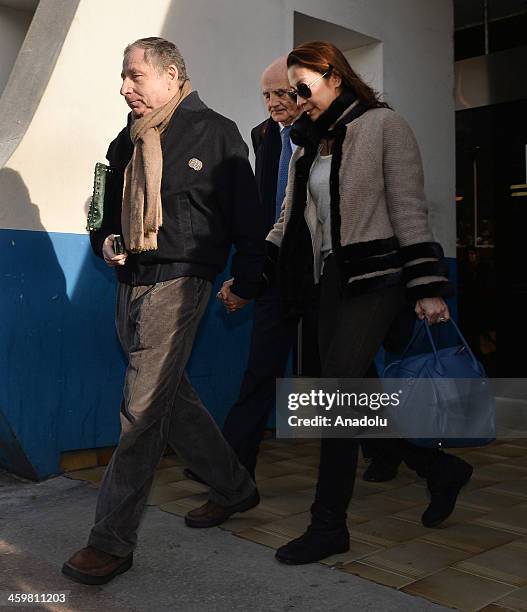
205, 211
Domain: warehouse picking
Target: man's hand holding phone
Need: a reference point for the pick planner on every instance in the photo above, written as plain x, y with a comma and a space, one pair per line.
113, 251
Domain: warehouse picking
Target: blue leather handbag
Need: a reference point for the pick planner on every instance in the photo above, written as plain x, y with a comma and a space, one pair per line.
446, 399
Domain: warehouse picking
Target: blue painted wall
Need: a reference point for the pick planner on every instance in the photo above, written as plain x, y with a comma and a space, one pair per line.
61, 367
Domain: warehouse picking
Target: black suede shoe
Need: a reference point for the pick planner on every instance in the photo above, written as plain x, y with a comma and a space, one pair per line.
379, 471
314, 545
445, 488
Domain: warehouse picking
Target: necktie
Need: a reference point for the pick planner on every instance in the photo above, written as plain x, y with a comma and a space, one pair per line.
283, 167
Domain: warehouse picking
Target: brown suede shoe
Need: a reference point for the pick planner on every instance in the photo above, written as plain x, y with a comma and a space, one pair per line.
92, 566
211, 514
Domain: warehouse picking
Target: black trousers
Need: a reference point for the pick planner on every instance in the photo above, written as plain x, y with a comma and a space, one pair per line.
273, 337
351, 331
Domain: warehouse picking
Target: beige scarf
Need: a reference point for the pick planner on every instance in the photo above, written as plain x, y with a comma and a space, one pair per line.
142, 213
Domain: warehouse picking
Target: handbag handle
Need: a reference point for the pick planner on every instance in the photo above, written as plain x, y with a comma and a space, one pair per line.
433, 345
463, 341
416, 333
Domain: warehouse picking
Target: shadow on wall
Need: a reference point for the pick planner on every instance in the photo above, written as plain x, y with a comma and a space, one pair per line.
61, 367
34, 303
96, 363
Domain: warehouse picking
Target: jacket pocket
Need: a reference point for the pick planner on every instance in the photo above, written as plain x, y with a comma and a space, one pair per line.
205, 223
175, 240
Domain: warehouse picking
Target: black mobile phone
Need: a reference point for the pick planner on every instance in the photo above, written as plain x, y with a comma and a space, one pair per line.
118, 245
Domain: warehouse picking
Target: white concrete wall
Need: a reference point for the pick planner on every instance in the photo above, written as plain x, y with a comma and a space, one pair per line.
226, 44
367, 61
13, 27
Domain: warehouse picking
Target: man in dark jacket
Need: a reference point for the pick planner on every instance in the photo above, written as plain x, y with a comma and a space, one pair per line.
182, 192
273, 336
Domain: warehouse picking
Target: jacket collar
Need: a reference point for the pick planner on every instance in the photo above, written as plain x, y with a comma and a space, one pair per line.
193, 102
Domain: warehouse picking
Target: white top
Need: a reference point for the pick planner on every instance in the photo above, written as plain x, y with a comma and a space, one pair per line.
318, 186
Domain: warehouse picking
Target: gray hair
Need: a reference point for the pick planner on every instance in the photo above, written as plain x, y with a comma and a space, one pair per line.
161, 54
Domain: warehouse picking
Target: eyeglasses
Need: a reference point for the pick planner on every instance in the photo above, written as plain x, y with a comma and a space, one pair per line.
304, 89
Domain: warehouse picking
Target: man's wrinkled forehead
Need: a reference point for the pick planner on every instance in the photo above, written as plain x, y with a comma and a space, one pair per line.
275, 86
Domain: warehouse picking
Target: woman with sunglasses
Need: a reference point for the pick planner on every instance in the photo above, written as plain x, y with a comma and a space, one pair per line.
354, 222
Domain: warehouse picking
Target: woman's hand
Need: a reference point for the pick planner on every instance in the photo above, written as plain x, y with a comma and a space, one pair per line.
434, 310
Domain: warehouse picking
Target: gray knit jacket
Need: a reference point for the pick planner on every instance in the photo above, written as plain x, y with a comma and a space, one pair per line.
379, 215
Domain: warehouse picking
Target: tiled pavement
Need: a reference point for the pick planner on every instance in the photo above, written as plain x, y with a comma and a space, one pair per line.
477, 560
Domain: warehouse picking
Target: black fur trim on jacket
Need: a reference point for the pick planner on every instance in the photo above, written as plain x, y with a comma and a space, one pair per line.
442, 289
422, 250
347, 253
369, 248
427, 268
334, 193
295, 265
272, 253
366, 285
358, 267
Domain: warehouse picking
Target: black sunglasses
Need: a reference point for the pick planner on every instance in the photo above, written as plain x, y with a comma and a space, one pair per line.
304, 89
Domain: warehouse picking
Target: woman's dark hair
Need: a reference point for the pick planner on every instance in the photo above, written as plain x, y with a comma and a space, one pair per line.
320, 55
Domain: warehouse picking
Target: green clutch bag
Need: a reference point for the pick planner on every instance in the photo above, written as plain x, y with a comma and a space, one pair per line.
102, 178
